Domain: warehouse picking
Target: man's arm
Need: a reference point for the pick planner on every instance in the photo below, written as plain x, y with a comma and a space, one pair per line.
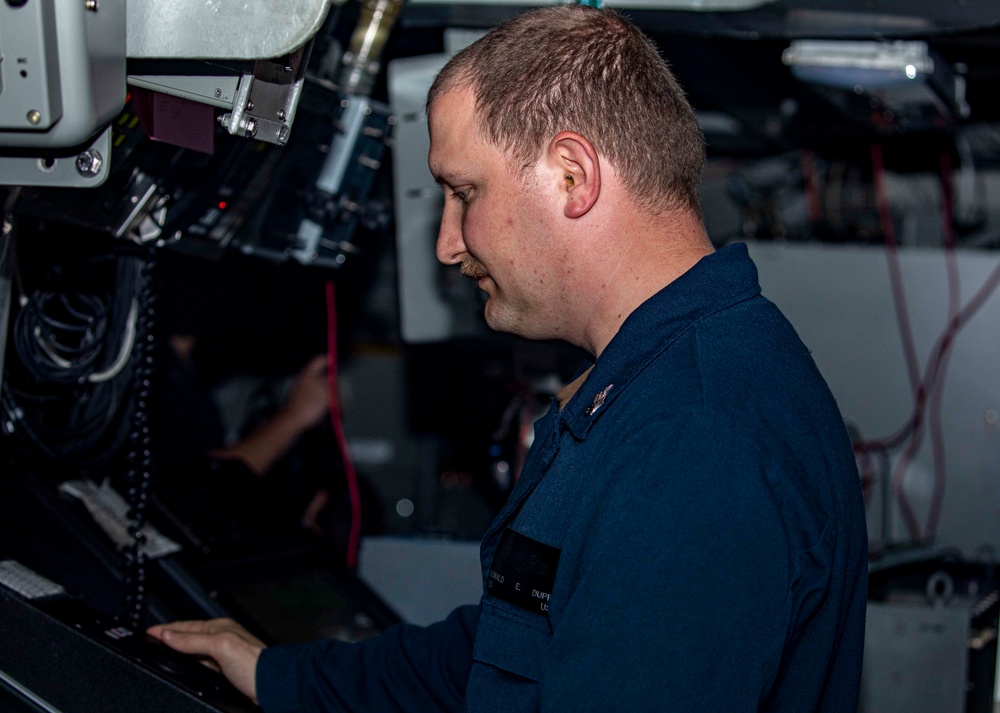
408, 668
305, 407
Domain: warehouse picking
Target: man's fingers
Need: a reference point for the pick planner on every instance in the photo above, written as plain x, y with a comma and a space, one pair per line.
204, 626
165, 631
231, 648
192, 642
318, 363
217, 638
159, 629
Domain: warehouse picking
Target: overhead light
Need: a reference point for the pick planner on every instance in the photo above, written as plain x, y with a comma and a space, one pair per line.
904, 76
848, 64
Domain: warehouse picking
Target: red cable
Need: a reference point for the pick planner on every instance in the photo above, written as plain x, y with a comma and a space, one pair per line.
954, 304
932, 382
336, 419
895, 272
811, 186
909, 348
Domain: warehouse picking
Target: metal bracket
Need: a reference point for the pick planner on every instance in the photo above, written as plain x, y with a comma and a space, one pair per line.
265, 102
81, 169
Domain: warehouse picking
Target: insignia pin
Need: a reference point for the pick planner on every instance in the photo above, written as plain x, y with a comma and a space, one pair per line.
599, 400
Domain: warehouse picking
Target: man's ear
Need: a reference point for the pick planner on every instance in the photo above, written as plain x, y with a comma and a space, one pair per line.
578, 170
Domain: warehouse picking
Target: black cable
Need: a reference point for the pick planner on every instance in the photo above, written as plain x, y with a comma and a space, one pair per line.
69, 389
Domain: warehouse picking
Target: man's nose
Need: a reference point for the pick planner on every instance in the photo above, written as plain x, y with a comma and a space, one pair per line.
450, 245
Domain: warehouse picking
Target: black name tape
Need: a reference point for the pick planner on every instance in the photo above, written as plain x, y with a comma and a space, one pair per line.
523, 572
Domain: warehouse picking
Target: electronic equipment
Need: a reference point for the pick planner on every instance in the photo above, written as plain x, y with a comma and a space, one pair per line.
931, 638
204, 159
318, 194
282, 586
294, 596
907, 85
6, 284
435, 303
63, 657
64, 79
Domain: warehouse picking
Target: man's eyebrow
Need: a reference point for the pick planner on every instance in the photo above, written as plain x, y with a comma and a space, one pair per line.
444, 178
448, 178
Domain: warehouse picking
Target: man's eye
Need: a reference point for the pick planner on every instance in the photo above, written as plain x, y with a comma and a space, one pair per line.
463, 196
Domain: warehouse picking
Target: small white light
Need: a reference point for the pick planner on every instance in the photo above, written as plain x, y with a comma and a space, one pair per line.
911, 71
404, 507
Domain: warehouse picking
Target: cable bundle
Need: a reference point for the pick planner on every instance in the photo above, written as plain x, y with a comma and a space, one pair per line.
69, 392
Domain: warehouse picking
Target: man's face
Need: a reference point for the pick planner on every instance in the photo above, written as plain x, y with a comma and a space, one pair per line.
497, 223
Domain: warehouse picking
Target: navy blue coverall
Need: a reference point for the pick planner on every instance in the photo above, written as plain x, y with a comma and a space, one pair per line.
688, 534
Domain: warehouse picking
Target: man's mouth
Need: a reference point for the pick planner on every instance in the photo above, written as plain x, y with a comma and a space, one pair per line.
471, 267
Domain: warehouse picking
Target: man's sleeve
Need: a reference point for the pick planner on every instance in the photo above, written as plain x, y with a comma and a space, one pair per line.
407, 668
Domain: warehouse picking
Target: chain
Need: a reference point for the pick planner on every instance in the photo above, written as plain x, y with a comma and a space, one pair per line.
139, 471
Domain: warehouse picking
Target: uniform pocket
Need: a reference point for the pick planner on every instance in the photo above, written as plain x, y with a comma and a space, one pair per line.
512, 640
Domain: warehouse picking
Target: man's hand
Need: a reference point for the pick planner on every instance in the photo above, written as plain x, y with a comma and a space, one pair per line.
308, 402
310, 396
229, 647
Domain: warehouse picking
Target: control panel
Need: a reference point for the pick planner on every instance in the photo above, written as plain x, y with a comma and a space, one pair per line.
64, 656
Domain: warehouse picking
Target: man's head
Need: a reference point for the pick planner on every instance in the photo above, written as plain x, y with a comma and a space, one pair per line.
570, 162
574, 68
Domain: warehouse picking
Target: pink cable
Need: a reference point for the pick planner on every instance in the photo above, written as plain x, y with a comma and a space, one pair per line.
895, 272
932, 383
909, 348
336, 419
934, 424
902, 314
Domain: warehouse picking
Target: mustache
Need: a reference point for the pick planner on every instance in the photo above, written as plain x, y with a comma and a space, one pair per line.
471, 267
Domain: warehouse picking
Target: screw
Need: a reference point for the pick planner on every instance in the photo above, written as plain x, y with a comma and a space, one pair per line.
34, 116
89, 163
91, 5
249, 104
251, 128
218, 92
281, 115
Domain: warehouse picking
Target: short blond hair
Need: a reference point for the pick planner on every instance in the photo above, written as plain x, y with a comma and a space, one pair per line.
576, 68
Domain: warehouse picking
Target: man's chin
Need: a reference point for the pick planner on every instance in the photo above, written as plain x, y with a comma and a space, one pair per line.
501, 320
493, 316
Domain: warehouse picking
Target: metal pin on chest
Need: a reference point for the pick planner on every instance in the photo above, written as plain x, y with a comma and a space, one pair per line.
599, 400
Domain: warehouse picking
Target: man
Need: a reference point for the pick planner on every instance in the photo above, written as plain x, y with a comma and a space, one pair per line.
688, 532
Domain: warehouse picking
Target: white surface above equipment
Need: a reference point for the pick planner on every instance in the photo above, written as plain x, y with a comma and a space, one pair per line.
221, 29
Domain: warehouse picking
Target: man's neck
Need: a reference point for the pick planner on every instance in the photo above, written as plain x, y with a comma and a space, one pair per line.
651, 256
